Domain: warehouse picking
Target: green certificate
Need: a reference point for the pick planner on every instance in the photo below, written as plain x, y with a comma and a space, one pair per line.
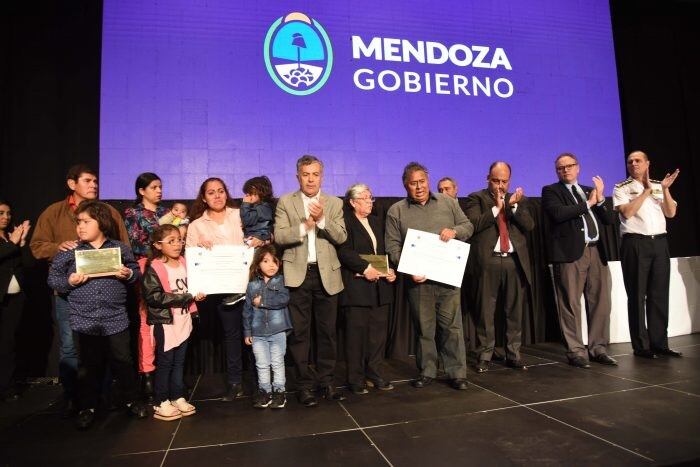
378, 262
96, 263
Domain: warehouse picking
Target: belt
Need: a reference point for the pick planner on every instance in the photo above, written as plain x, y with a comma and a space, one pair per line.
498, 254
591, 244
634, 235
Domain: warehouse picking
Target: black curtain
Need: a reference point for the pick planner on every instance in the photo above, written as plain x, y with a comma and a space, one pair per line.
49, 120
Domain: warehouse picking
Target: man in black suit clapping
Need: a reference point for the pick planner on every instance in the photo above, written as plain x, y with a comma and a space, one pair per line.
499, 263
573, 215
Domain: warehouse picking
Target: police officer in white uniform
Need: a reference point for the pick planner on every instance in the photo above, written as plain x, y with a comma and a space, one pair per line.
643, 205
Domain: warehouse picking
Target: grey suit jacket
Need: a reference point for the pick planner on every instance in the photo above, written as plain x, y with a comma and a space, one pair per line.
288, 217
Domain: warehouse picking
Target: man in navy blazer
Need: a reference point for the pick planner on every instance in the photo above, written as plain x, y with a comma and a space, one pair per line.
573, 217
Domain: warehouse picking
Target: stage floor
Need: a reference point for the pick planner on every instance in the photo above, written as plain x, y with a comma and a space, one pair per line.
639, 413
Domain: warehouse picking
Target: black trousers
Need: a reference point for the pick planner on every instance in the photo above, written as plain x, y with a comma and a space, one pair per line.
501, 277
646, 270
95, 353
10, 316
232, 323
365, 340
310, 302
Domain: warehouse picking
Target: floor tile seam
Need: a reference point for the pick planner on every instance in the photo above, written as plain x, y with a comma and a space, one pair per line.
664, 386
571, 426
593, 435
586, 396
366, 435
234, 443
524, 352
179, 422
345, 430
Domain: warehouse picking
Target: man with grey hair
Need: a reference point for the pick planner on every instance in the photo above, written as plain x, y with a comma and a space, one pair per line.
573, 217
309, 224
447, 186
431, 303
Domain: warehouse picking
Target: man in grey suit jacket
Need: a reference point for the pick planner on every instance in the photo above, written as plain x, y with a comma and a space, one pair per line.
309, 225
499, 263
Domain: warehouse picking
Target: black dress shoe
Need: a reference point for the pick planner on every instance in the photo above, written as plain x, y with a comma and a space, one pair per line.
645, 354
668, 353
516, 364
579, 362
85, 419
459, 384
137, 410
422, 382
68, 409
233, 391
332, 394
482, 366
604, 359
10, 395
307, 398
358, 389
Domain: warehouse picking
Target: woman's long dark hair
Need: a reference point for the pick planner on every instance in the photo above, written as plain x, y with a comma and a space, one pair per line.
142, 182
199, 206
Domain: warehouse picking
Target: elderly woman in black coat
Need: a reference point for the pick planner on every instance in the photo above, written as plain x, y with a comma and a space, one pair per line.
12, 241
367, 297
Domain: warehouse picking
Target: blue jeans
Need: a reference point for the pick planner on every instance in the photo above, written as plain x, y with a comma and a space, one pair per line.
67, 353
170, 367
269, 351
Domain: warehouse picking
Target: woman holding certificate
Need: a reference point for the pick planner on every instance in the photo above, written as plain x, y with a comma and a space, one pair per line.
215, 221
368, 293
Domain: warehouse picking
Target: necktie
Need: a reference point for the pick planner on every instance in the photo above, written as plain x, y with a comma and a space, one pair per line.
503, 231
587, 218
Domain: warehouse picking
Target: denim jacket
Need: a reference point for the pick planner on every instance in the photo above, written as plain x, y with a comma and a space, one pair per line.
257, 220
272, 316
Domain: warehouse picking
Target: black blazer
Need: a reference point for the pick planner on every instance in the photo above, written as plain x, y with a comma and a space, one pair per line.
11, 263
359, 291
478, 209
563, 223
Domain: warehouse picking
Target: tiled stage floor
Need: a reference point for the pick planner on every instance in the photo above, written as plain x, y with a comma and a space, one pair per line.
640, 413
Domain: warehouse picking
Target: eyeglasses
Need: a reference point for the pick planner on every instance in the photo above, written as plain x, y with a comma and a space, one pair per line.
370, 200
564, 168
172, 242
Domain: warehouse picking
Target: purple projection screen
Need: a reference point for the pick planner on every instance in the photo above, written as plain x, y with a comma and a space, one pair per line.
236, 89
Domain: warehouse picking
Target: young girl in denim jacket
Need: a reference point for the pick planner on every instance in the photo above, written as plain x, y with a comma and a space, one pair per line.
265, 324
169, 305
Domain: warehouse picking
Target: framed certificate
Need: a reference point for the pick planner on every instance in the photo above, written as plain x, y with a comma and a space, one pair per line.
98, 263
378, 262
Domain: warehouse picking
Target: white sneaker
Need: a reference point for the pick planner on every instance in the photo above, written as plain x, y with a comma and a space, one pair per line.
185, 408
166, 411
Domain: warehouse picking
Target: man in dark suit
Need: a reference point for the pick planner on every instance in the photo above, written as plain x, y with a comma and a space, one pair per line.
310, 225
573, 217
499, 263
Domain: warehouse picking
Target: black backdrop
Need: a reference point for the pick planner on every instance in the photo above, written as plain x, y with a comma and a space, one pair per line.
49, 120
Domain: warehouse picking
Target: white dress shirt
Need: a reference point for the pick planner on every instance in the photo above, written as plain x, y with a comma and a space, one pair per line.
311, 233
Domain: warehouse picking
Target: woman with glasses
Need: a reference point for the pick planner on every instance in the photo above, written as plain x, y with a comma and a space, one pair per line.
367, 296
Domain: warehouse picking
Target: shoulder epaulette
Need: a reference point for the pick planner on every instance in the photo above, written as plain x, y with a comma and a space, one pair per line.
623, 183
